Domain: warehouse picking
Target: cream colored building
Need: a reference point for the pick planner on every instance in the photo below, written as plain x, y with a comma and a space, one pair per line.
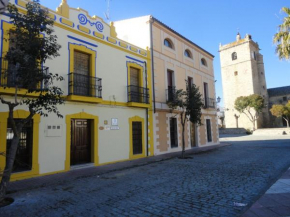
108, 114
278, 95
243, 74
175, 59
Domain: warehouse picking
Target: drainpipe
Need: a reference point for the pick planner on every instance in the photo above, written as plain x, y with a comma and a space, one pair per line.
147, 151
151, 20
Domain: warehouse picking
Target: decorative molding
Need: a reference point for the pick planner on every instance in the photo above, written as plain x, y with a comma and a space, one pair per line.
84, 20
67, 22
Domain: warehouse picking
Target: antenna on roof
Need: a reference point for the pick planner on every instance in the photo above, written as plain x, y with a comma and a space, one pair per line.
107, 13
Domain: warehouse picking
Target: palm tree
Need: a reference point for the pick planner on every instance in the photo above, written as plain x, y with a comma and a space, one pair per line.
282, 38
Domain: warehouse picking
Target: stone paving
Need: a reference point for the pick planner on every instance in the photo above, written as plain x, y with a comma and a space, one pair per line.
213, 183
275, 202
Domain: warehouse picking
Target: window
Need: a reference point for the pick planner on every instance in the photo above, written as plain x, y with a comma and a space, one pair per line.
23, 159
234, 56
81, 73
206, 100
236, 73
203, 62
81, 78
137, 93
137, 137
262, 73
173, 133
168, 43
208, 130
187, 53
170, 83
254, 55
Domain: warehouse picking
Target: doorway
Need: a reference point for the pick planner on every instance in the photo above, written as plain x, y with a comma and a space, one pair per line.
80, 141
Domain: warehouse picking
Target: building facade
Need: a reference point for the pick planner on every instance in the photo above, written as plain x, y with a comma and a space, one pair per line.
174, 60
278, 96
108, 113
243, 74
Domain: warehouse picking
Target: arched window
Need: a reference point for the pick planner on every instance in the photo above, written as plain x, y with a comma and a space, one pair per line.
168, 43
187, 53
234, 56
203, 62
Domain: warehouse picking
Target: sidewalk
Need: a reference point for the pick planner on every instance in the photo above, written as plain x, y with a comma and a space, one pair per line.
275, 202
78, 173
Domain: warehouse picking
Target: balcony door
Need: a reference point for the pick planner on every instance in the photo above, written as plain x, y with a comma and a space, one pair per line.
135, 85
81, 78
170, 85
205, 89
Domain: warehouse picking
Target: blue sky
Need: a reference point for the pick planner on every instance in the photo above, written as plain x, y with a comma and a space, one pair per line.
207, 23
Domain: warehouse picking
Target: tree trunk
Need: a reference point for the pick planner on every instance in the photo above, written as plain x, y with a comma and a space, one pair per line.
9, 166
287, 122
254, 125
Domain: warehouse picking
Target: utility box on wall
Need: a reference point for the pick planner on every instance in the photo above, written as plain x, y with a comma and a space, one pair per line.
54, 130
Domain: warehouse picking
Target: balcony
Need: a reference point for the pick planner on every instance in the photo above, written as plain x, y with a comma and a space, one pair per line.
10, 78
84, 88
138, 95
170, 93
209, 103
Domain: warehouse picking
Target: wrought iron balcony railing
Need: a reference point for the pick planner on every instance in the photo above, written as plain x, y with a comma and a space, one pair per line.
209, 103
170, 93
10, 77
84, 85
138, 94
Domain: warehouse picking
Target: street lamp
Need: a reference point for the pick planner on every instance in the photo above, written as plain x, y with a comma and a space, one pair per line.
218, 100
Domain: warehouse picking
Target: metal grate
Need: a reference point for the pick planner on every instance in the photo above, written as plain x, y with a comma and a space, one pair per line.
138, 94
170, 93
209, 103
9, 77
173, 133
84, 85
23, 159
208, 130
137, 137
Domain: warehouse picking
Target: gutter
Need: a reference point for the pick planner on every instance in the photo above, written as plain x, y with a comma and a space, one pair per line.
151, 20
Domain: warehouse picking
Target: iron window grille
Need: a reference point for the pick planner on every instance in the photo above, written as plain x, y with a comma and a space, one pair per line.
170, 93
138, 94
84, 85
209, 103
10, 77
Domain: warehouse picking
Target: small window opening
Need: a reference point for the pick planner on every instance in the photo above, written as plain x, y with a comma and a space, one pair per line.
234, 56
168, 43
203, 62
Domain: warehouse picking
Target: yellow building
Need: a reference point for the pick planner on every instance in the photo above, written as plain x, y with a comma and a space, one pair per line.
174, 60
108, 114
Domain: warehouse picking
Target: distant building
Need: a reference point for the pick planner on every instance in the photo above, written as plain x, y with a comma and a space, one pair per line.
278, 95
243, 74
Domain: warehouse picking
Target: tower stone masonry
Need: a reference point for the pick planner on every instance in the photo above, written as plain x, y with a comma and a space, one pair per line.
243, 74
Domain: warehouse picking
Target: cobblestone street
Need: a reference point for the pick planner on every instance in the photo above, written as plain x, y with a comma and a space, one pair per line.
209, 184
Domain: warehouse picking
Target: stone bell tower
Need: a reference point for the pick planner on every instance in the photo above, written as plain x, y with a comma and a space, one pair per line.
243, 74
